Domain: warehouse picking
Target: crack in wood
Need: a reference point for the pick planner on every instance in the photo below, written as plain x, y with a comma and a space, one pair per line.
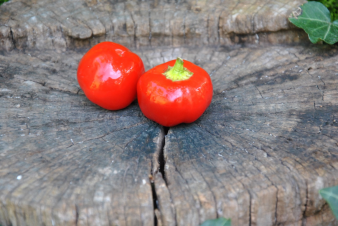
12, 38
76, 215
155, 202
154, 172
161, 157
306, 204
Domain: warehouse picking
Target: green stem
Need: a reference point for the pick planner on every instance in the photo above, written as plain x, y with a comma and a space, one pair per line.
178, 72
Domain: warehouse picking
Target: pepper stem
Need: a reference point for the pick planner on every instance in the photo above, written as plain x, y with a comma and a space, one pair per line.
178, 72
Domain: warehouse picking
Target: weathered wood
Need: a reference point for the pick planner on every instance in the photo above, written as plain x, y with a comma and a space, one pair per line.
48, 24
259, 154
267, 143
64, 160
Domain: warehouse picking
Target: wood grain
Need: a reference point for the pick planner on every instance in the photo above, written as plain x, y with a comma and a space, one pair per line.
267, 143
64, 160
259, 154
60, 25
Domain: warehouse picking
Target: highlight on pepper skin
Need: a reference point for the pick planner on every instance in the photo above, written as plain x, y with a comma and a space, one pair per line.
108, 75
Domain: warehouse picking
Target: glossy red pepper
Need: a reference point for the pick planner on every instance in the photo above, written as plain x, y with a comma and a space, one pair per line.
170, 94
108, 75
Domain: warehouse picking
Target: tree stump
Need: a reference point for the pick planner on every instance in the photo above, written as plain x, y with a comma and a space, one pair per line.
258, 155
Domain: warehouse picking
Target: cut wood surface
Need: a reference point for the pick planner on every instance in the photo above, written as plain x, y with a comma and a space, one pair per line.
259, 154
65, 161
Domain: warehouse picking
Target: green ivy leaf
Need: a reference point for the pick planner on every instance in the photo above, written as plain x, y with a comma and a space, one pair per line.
3, 1
315, 19
331, 196
217, 222
332, 6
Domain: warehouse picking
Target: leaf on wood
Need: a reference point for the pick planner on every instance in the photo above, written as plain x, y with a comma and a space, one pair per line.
330, 194
217, 222
315, 19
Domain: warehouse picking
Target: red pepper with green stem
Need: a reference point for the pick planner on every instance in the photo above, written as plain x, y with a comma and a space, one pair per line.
174, 92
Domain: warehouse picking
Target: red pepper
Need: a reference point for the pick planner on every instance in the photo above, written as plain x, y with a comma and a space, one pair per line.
108, 75
170, 93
